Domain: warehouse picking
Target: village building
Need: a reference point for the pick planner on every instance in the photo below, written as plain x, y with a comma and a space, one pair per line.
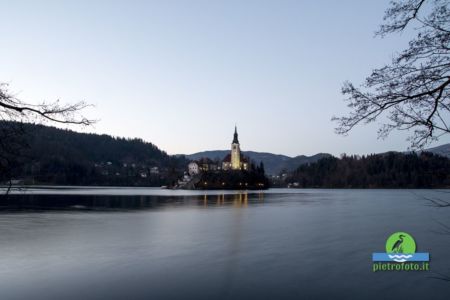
206, 164
193, 168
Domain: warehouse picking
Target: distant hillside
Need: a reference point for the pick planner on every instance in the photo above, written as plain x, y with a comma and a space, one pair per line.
300, 160
385, 170
276, 163
55, 156
273, 163
443, 150
211, 154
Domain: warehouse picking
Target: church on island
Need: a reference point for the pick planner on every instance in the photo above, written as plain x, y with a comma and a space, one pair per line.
235, 160
234, 171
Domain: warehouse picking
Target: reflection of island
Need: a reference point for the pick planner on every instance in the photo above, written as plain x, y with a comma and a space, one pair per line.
239, 199
234, 171
126, 202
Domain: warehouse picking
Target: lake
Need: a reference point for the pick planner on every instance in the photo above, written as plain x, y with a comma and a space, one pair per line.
146, 243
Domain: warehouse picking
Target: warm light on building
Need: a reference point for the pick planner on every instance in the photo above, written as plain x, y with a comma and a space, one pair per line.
235, 161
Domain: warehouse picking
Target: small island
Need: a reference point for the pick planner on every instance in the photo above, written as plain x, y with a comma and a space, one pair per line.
233, 172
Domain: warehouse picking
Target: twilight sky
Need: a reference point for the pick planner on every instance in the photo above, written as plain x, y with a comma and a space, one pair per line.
180, 74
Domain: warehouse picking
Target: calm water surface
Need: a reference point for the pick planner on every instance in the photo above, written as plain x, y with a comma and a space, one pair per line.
96, 243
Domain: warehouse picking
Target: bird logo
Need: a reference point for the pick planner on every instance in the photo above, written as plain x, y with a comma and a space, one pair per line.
397, 247
400, 246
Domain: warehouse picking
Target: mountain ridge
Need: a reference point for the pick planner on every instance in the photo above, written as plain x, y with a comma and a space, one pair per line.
276, 163
53, 149
273, 163
443, 150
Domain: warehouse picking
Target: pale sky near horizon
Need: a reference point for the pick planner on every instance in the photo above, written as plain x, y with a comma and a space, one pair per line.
180, 74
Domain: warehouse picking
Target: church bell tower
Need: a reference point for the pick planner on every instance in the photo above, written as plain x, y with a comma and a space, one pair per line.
235, 152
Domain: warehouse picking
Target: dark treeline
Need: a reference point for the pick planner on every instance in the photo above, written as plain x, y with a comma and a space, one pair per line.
389, 170
49, 155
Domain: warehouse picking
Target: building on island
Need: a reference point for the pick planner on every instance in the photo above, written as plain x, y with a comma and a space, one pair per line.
193, 168
203, 164
234, 171
206, 164
235, 160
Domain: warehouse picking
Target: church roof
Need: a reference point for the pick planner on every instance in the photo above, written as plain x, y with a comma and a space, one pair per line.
235, 137
227, 158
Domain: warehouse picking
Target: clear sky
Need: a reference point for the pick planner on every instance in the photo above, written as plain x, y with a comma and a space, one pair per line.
180, 74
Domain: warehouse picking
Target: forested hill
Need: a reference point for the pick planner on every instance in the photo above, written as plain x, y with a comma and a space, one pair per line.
57, 156
387, 170
47, 155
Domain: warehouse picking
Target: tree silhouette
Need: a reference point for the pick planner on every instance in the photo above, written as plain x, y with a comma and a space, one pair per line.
14, 109
412, 92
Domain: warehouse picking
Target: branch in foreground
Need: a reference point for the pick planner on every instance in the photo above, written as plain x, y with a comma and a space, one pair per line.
14, 109
412, 93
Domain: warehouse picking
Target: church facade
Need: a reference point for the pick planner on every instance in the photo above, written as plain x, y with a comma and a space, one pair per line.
235, 160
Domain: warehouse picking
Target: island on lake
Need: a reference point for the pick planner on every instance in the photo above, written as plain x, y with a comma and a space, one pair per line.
234, 171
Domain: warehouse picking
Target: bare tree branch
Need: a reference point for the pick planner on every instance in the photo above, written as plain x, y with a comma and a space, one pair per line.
439, 276
400, 14
413, 92
18, 111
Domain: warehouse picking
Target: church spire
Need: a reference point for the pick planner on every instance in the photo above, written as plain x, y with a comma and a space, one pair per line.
235, 138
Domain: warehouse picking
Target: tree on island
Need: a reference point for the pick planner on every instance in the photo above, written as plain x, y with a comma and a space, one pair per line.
19, 111
412, 92
254, 178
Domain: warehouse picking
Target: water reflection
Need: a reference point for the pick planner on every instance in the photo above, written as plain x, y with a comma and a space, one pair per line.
239, 199
234, 248
239, 245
